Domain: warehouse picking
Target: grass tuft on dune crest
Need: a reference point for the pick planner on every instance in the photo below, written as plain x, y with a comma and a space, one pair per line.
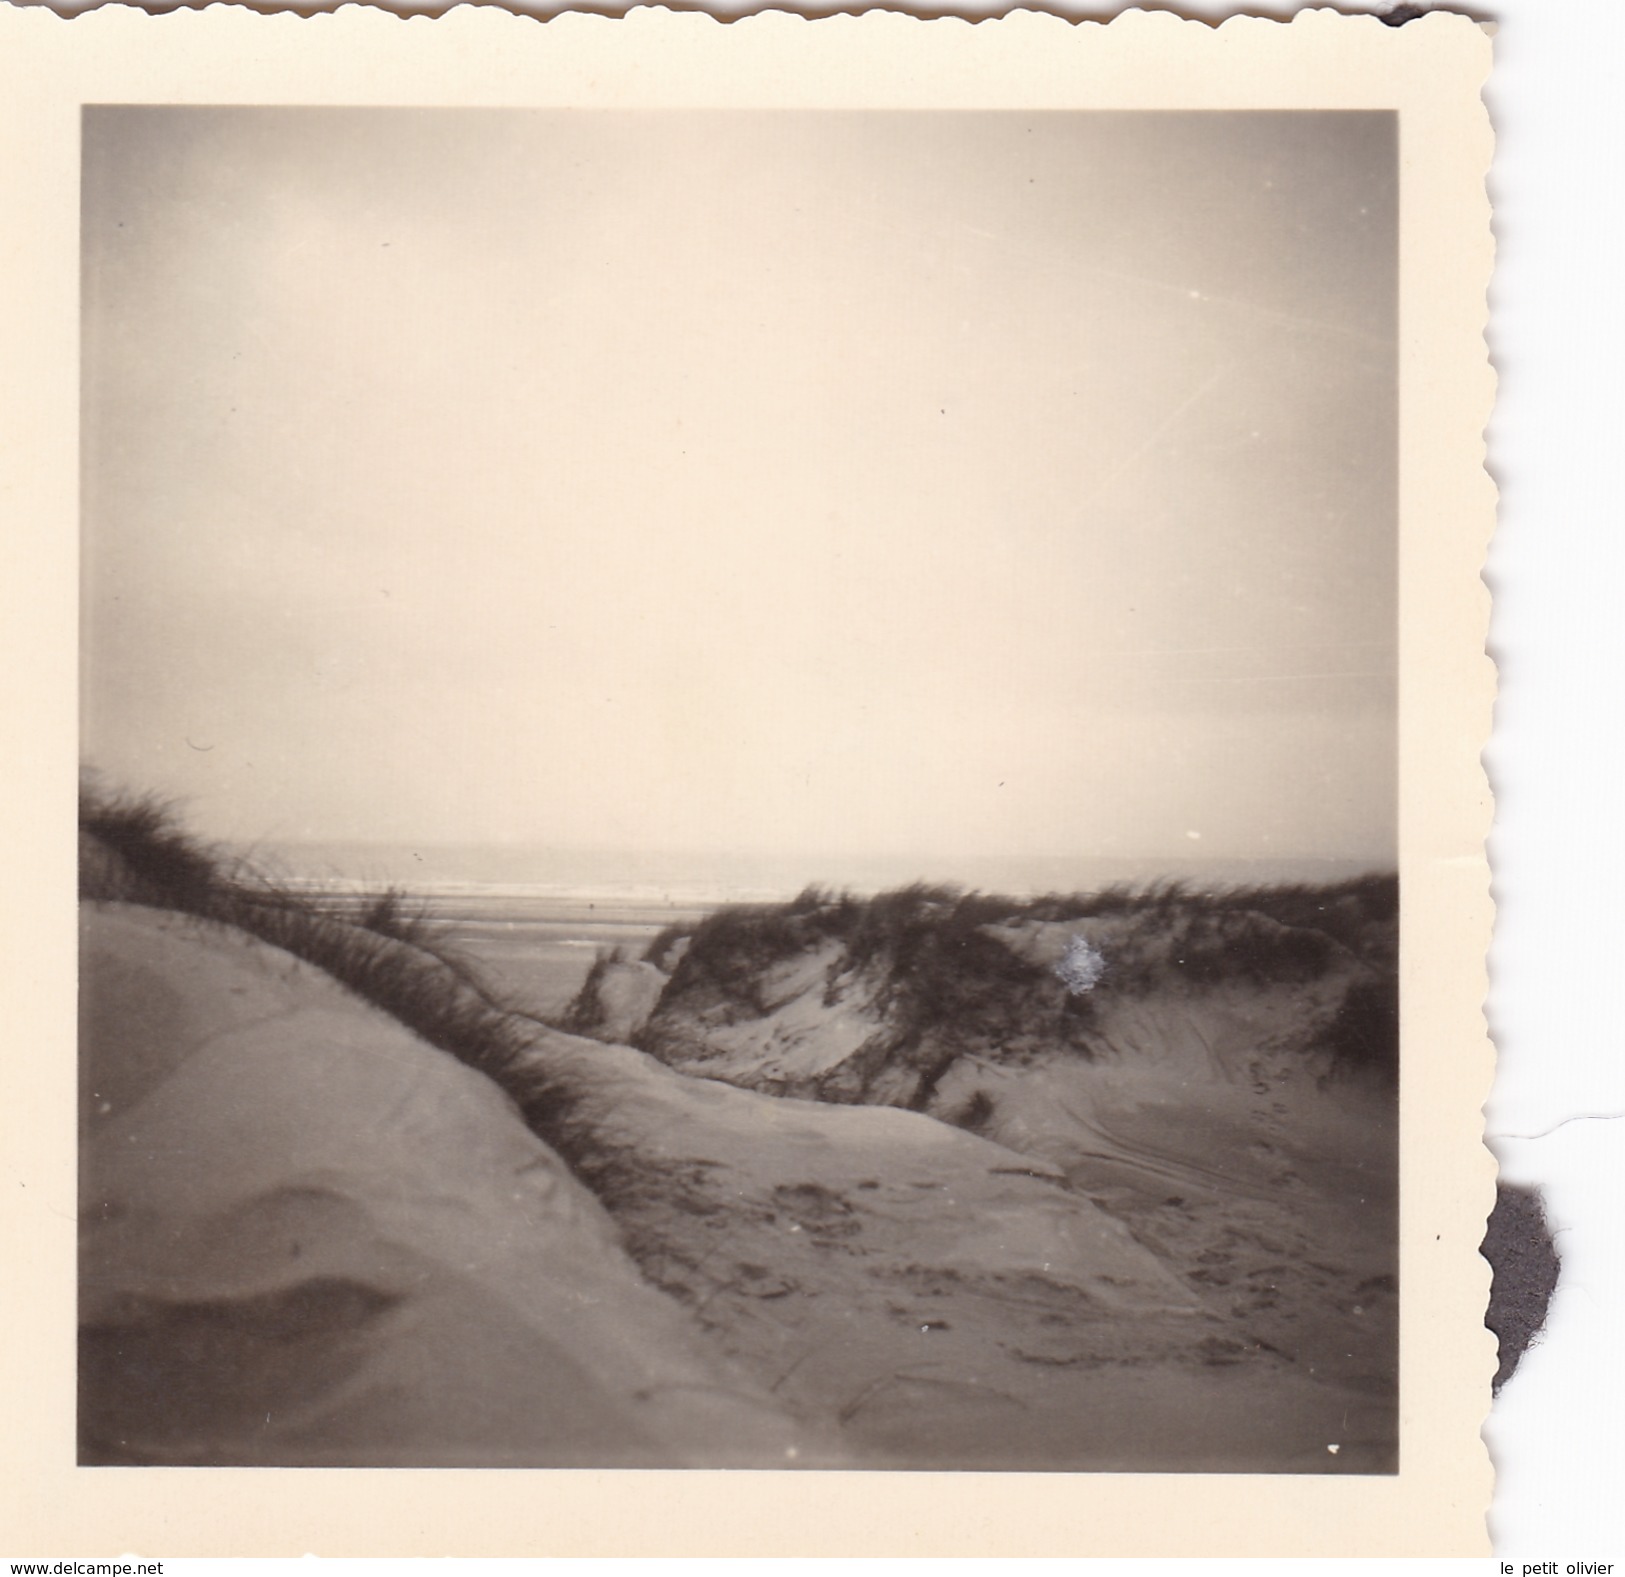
944, 977
586, 1012
381, 946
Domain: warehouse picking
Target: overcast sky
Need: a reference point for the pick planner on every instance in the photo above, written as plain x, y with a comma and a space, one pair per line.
973, 484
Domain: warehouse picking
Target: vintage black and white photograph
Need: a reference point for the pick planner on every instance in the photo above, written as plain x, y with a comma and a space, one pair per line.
740, 793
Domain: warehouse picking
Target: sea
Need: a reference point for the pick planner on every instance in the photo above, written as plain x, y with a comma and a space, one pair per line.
532, 919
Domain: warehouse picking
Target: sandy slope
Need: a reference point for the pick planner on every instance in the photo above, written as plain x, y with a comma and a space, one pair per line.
311, 1238
938, 1299
308, 1237
1204, 1117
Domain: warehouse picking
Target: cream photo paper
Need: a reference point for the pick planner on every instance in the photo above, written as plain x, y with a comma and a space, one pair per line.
779, 834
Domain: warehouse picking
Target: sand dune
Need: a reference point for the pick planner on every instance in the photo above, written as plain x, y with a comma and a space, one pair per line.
939, 1300
884, 1185
312, 1238
1204, 1101
308, 1237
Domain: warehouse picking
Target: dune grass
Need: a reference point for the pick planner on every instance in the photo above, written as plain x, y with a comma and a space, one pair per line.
586, 1013
383, 947
940, 974
940, 983
139, 848
659, 951
1265, 935
944, 980
395, 913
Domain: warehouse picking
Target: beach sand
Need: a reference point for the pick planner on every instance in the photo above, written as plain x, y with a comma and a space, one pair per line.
312, 1238
535, 952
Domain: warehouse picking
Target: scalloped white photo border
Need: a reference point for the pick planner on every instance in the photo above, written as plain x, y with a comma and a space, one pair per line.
1432, 73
